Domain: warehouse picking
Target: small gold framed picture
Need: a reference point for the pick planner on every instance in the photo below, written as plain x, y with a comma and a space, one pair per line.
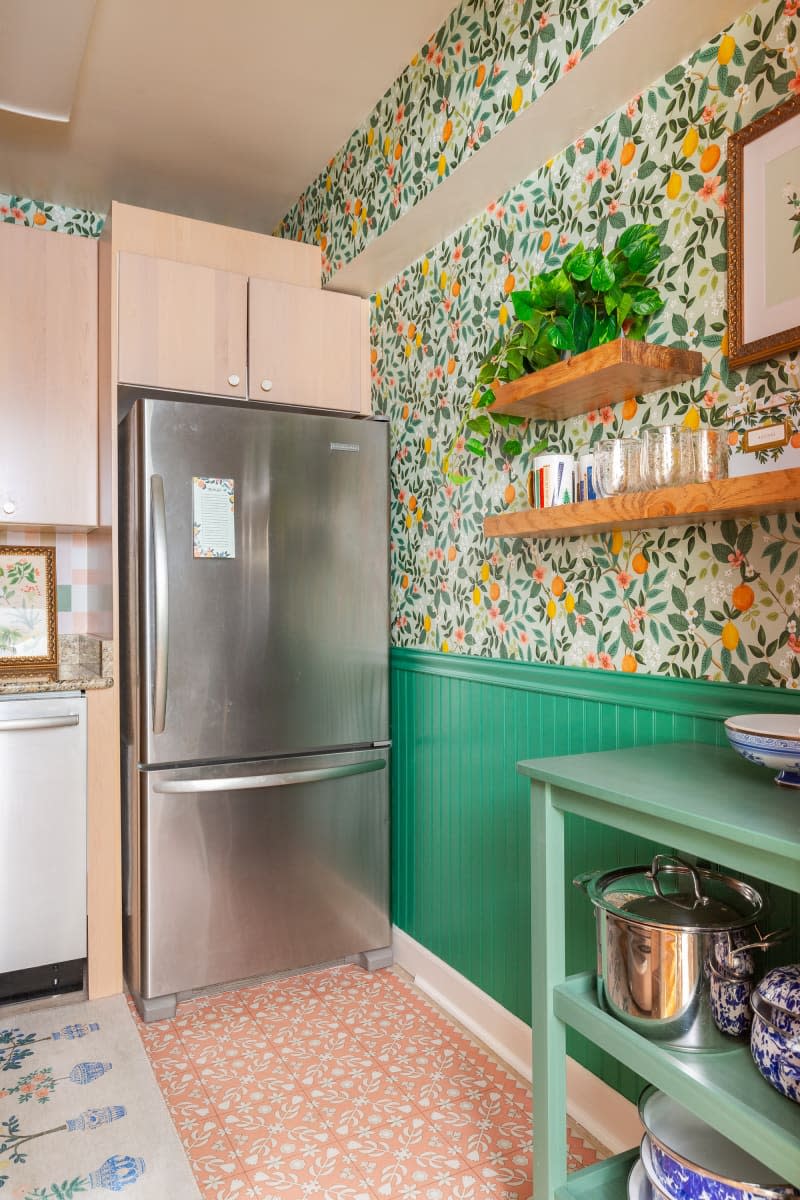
764, 236
28, 621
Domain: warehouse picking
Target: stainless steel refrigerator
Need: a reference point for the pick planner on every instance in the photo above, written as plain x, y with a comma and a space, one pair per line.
255, 714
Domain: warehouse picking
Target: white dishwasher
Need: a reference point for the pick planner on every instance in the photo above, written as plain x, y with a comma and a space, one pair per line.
42, 832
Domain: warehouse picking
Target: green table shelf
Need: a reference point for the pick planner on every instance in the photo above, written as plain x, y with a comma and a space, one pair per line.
606, 1180
700, 799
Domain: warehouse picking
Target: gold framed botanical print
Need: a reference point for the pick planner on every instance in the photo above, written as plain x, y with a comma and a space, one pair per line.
28, 621
764, 236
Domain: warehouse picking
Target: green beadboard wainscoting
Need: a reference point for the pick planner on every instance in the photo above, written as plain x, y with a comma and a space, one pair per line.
461, 814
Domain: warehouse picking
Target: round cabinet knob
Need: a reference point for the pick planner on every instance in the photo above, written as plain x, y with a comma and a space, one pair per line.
233, 380
266, 385
9, 507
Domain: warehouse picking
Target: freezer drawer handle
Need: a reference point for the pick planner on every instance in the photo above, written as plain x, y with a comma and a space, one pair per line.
279, 779
40, 723
161, 598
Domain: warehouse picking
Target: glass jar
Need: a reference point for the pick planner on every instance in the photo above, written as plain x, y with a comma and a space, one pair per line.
609, 467
711, 452
667, 458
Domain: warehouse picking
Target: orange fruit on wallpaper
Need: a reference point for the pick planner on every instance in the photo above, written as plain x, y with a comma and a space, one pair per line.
629, 409
557, 586
398, 151
451, 553
373, 355
730, 636
451, 366
689, 144
412, 329
551, 610
629, 663
39, 219
476, 595
412, 503
726, 50
674, 185
455, 290
494, 591
640, 563
733, 438
742, 597
616, 541
709, 158
485, 571
509, 493
627, 153
545, 240
508, 285
516, 99
480, 75
723, 349
404, 582
794, 441
447, 130
404, 412
357, 208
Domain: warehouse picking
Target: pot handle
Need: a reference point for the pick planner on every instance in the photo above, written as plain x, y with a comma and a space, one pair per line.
766, 941
583, 880
667, 863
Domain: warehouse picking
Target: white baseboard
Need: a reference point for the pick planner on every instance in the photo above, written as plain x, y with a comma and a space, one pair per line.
606, 1115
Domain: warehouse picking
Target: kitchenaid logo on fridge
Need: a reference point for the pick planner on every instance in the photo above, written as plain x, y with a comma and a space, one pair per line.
351, 447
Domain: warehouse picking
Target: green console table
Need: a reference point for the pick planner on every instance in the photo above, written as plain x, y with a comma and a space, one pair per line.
701, 800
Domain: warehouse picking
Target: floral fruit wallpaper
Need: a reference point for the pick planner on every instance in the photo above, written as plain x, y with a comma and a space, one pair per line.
488, 62
716, 601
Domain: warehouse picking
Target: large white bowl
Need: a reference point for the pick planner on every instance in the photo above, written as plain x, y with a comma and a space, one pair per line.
769, 740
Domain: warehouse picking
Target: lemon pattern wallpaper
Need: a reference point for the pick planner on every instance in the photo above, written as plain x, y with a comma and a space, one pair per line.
716, 601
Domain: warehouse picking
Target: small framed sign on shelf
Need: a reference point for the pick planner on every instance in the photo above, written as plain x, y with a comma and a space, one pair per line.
764, 236
28, 622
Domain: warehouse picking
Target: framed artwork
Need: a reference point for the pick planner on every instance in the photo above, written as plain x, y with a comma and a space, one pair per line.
28, 625
764, 236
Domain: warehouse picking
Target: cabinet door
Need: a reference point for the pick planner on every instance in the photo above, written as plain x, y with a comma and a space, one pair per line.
48, 378
308, 347
182, 327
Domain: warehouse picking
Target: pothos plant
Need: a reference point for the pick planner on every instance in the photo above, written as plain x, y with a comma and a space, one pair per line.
592, 298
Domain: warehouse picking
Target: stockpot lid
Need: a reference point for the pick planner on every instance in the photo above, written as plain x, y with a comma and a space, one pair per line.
780, 987
670, 893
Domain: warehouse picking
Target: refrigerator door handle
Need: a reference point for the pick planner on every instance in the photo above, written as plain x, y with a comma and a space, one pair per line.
161, 602
278, 779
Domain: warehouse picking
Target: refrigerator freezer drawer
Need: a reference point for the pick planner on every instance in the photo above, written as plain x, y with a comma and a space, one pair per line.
252, 868
43, 829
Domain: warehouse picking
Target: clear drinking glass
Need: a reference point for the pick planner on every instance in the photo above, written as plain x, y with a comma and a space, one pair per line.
711, 452
667, 456
609, 467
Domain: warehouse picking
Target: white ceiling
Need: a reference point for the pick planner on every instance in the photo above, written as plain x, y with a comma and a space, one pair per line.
222, 111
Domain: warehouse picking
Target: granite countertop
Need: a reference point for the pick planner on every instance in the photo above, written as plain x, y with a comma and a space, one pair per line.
84, 663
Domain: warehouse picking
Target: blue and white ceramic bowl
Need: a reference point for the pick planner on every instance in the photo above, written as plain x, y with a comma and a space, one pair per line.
769, 740
689, 1160
775, 1036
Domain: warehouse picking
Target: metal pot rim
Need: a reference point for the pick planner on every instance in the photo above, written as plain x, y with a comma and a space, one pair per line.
779, 1192
596, 882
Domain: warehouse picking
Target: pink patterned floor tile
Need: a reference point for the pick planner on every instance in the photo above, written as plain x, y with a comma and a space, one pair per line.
420, 1158
321, 1174
487, 1128
349, 1106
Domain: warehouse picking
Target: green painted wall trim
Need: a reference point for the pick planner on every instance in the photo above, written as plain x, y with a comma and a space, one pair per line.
690, 697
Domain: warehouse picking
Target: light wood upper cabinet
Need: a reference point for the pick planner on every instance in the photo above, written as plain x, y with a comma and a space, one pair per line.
48, 378
182, 327
308, 347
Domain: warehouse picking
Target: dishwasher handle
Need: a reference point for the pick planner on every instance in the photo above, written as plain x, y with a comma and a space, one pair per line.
240, 783
20, 723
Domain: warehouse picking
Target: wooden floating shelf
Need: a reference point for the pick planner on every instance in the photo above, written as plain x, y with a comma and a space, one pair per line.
616, 371
746, 496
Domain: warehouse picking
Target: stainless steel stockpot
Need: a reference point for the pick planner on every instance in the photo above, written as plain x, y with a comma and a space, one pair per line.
658, 929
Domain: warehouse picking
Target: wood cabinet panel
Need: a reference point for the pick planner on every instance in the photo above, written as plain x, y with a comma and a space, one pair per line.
181, 326
308, 348
48, 378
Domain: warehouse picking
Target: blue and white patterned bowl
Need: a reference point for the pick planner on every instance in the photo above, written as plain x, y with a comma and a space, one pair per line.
640, 1187
730, 1002
769, 740
689, 1160
775, 1036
